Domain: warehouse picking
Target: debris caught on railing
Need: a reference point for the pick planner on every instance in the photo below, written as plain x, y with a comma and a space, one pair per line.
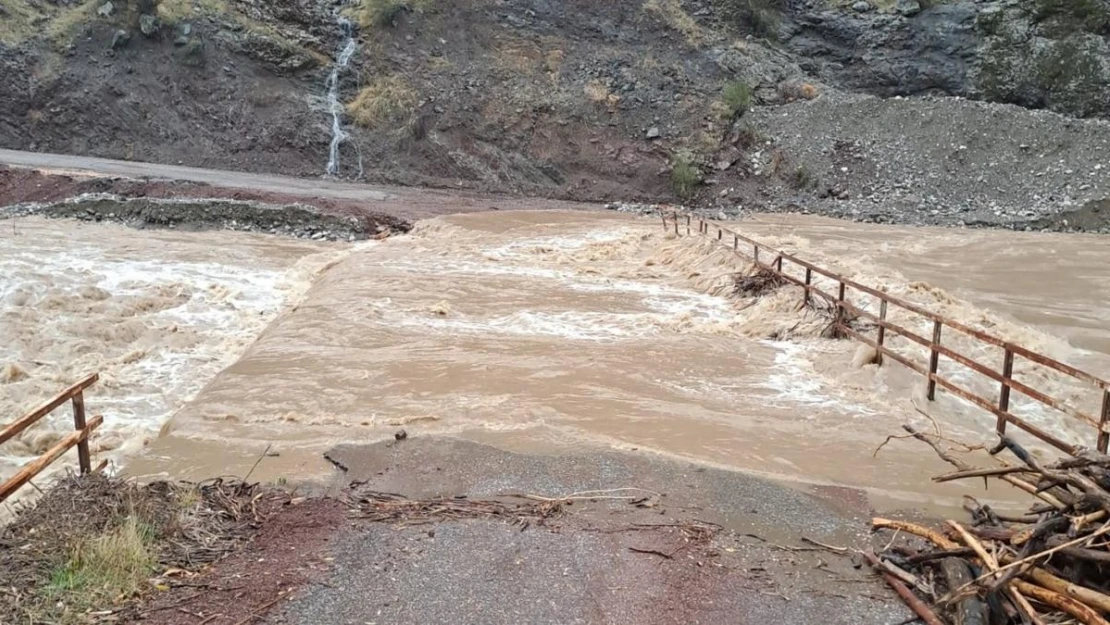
850, 319
1050, 565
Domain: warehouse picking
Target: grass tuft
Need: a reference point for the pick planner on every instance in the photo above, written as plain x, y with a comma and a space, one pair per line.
685, 175
671, 13
104, 568
388, 102
760, 17
736, 99
384, 13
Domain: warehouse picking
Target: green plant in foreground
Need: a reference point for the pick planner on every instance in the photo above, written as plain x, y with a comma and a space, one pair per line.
100, 569
685, 175
736, 98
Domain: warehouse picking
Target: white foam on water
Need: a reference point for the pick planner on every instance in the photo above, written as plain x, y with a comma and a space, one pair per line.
156, 330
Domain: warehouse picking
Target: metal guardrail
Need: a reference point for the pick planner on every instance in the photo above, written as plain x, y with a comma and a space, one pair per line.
79, 438
998, 406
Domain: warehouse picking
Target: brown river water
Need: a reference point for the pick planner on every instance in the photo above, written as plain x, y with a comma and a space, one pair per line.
541, 332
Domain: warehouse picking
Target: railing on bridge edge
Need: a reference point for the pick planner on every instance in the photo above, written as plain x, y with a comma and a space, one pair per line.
80, 437
999, 406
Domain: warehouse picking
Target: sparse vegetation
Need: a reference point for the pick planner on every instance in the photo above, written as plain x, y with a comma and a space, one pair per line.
736, 98
760, 17
174, 11
749, 136
792, 90
383, 13
671, 13
102, 568
388, 102
92, 543
685, 175
598, 93
802, 179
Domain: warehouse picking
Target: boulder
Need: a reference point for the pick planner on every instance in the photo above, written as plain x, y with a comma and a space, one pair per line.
105, 10
121, 39
148, 25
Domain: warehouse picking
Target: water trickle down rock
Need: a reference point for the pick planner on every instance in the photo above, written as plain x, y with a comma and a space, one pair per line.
335, 107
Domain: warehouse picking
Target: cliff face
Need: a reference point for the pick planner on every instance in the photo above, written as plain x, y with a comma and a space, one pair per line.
1052, 54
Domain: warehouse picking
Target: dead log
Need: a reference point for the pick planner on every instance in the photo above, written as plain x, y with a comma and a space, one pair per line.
917, 530
1079, 553
992, 565
1089, 597
917, 605
1083, 613
969, 610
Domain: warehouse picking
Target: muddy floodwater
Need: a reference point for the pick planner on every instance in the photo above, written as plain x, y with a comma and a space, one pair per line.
540, 332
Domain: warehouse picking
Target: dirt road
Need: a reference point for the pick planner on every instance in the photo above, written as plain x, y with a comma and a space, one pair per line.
407, 203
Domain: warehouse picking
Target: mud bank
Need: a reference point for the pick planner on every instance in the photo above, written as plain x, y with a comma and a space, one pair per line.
193, 215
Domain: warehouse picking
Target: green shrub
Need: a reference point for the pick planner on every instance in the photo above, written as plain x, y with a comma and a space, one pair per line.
803, 179
685, 175
760, 17
736, 98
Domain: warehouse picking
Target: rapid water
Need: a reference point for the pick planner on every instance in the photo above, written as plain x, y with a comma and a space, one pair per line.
157, 314
539, 332
335, 107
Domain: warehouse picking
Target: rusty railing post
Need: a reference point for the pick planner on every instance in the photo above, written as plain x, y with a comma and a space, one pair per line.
720, 233
840, 311
687, 225
1103, 435
778, 264
934, 363
735, 242
675, 215
805, 289
882, 333
1004, 392
755, 254
79, 425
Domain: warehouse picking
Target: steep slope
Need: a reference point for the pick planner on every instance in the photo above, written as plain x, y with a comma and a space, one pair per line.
629, 99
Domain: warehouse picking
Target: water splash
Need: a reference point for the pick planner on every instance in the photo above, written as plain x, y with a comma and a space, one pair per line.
338, 135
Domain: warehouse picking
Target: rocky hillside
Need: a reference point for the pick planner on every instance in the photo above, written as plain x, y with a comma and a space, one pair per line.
625, 99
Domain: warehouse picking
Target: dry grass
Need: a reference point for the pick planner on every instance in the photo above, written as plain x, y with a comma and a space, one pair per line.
599, 94
102, 568
671, 13
372, 14
173, 11
92, 543
793, 90
388, 102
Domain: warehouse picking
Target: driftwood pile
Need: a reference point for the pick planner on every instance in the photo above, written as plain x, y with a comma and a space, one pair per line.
1049, 566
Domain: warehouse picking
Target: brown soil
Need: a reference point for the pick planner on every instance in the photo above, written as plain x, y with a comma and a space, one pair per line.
289, 550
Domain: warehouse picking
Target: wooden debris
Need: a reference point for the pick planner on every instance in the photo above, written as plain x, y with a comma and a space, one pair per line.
1051, 565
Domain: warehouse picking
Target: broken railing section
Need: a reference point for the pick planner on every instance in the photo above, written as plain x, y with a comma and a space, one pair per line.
770, 259
79, 438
